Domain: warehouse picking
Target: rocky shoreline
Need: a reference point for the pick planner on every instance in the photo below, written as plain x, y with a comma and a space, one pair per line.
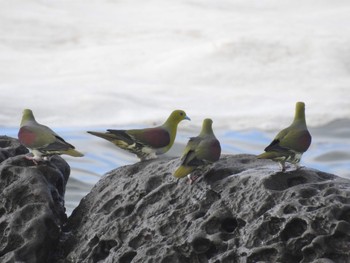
243, 210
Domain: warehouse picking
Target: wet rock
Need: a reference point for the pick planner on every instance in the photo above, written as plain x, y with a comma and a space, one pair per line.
243, 210
31, 205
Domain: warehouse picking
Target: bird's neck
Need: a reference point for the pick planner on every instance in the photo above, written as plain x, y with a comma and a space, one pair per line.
171, 126
27, 119
299, 116
206, 130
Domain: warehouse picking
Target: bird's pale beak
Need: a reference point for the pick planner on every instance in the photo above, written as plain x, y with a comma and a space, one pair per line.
187, 118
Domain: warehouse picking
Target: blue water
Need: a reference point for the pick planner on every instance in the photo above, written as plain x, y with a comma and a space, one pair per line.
329, 152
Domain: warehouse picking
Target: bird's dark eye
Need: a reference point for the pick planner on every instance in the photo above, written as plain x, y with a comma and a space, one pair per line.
181, 113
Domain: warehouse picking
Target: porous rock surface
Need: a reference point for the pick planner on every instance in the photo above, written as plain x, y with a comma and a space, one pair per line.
243, 210
31, 205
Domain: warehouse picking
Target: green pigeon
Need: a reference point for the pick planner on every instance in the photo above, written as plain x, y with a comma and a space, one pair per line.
291, 142
146, 143
41, 140
199, 152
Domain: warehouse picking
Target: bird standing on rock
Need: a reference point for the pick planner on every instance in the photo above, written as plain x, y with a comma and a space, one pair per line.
291, 142
200, 151
146, 143
41, 140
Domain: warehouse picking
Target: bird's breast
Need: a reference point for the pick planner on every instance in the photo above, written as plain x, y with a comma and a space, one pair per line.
26, 137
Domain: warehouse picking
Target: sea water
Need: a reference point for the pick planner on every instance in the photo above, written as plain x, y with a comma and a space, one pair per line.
92, 65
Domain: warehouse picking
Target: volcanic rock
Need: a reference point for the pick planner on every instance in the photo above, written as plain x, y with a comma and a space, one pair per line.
243, 210
31, 205
10, 147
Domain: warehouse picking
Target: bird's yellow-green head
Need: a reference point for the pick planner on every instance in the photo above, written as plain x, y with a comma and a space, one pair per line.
176, 116
27, 116
299, 111
206, 127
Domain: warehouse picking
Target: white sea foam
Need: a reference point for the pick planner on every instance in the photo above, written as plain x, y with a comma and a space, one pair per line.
106, 62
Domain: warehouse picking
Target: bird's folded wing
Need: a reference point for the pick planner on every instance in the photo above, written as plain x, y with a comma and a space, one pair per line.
58, 144
152, 137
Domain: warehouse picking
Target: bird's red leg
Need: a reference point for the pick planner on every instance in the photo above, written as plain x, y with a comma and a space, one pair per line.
31, 159
192, 178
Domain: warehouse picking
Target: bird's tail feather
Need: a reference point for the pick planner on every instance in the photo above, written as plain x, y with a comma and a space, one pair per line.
106, 136
182, 171
73, 152
268, 155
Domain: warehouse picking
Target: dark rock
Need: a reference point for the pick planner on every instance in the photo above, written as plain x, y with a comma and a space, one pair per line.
243, 210
10, 147
31, 205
